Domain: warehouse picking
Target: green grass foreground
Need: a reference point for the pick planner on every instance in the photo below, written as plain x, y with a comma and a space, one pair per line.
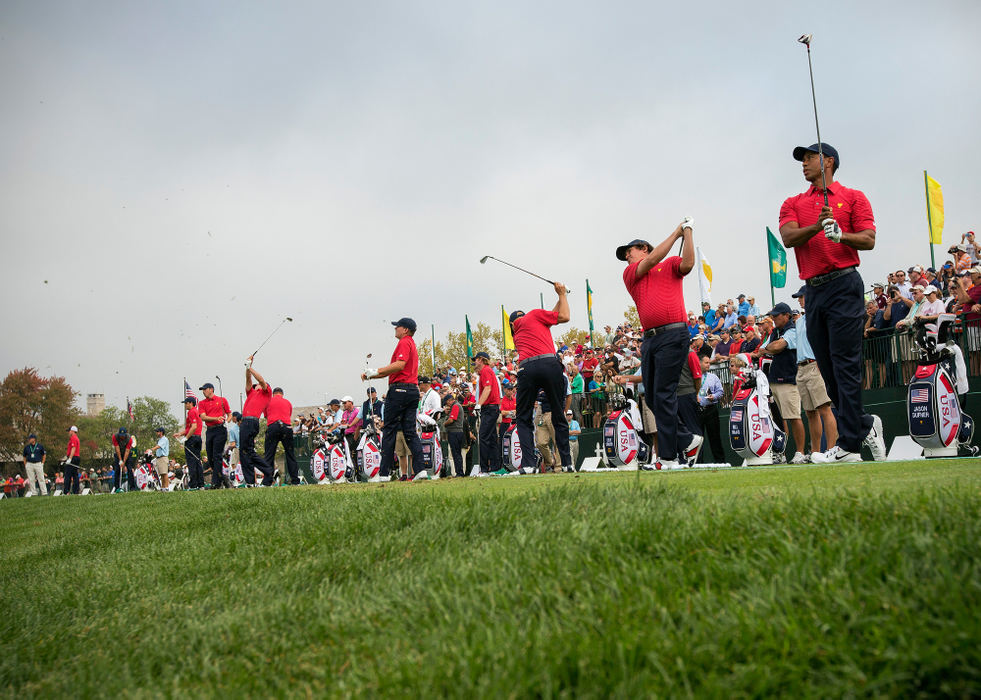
813, 581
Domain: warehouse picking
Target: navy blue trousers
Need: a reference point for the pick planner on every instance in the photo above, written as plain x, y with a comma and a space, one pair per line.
545, 374
661, 360
401, 406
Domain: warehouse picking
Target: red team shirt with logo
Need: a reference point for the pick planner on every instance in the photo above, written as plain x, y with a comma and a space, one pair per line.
406, 350
507, 405
532, 336
279, 409
256, 401
215, 407
851, 210
658, 295
74, 444
489, 379
194, 419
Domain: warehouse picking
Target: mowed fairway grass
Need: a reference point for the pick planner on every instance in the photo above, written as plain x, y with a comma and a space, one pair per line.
811, 581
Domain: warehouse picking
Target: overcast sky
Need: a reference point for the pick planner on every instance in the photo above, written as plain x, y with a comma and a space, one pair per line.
176, 178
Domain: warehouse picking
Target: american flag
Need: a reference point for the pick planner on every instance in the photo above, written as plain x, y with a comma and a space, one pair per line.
188, 392
129, 409
736, 415
919, 395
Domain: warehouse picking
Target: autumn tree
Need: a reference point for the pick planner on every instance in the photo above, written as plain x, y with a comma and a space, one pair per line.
30, 403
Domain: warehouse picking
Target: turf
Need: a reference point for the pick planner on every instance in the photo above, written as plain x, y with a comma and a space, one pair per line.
808, 581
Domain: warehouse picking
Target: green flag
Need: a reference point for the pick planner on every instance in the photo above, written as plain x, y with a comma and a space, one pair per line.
469, 340
778, 261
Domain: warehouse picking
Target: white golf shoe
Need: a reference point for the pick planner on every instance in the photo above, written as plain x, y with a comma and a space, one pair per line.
875, 440
836, 455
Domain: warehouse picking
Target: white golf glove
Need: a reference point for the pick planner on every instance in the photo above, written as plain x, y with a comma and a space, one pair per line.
832, 231
371, 373
688, 222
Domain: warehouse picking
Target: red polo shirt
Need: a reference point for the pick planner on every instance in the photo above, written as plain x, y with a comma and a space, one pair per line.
192, 418
658, 295
532, 335
406, 350
215, 407
589, 365
489, 379
74, 445
256, 402
851, 210
507, 405
279, 409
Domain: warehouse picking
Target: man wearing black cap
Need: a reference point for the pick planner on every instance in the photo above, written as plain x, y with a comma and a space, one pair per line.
401, 401
654, 281
192, 445
34, 456
257, 397
783, 375
371, 407
539, 369
489, 405
826, 226
214, 411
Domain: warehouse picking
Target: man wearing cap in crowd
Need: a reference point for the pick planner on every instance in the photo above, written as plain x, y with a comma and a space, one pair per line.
826, 239
654, 281
783, 376
919, 299
371, 407
540, 369
161, 458
34, 456
401, 401
214, 412
279, 413
878, 295
814, 397
257, 397
489, 405
73, 460
192, 444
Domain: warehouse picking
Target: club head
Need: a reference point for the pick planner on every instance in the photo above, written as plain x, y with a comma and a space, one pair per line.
805, 39
368, 356
289, 319
484, 259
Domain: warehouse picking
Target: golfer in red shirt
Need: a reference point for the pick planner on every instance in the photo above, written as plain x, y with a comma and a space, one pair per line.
279, 430
73, 459
826, 239
489, 403
257, 396
192, 444
539, 369
401, 401
655, 284
214, 412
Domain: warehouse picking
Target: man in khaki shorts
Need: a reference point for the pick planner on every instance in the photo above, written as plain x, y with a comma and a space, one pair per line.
783, 376
161, 461
810, 384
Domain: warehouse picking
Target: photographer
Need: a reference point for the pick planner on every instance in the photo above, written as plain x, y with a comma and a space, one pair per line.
897, 307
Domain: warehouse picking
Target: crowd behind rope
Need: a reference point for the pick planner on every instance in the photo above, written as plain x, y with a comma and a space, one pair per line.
736, 328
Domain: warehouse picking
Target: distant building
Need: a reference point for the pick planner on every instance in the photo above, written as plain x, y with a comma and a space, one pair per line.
95, 404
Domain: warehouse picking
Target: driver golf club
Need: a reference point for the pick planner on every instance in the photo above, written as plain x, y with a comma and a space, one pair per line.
491, 257
805, 39
272, 334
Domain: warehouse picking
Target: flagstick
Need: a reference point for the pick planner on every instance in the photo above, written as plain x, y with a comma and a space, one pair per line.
926, 189
769, 265
432, 328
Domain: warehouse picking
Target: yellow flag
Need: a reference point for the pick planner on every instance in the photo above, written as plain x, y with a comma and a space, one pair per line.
935, 209
506, 327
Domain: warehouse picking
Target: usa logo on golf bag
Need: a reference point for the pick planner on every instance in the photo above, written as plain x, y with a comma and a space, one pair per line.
934, 410
620, 439
336, 462
432, 452
369, 456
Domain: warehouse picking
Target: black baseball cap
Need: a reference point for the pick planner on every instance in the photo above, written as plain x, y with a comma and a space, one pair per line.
802, 151
191, 400
334, 401
482, 355
781, 308
32, 436
236, 415
515, 315
159, 429
372, 390
206, 385
423, 379
803, 288
406, 322
622, 250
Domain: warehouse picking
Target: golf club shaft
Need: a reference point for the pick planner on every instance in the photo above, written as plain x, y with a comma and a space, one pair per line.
817, 125
527, 272
269, 336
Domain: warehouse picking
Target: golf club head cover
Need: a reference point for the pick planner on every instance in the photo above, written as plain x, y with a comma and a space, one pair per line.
832, 231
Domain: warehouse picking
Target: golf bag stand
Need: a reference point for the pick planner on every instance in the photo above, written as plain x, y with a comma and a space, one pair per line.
753, 434
624, 448
936, 421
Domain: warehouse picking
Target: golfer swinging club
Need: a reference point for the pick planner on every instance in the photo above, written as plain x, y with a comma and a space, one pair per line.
401, 401
539, 368
655, 284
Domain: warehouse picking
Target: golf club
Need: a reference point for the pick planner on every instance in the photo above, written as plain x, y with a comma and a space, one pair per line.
272, 334
491, 257
220, 392
805, 39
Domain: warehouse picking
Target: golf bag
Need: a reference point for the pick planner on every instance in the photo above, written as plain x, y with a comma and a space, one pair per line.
753, 433
511, 451
369, 450
432, 450
329, 461
146, 475
936, 421
624, 447
233, 474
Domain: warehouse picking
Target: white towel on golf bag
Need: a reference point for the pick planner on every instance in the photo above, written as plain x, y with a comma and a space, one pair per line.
960, 369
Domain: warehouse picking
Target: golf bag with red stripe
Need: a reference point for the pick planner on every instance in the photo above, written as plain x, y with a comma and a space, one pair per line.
511, 452
621, 442
936, 421
753, 433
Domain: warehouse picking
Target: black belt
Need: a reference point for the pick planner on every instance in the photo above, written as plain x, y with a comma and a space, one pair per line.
805, 362
213, 427
401, 384
278, 422
651, 332
255, 418
522, 363
818, 280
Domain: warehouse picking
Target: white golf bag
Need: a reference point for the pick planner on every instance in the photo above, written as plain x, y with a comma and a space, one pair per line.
753, 434
936, 421
330, 461
511, 452
369, 451
432, 450
233, 473
145, 474
624, 447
